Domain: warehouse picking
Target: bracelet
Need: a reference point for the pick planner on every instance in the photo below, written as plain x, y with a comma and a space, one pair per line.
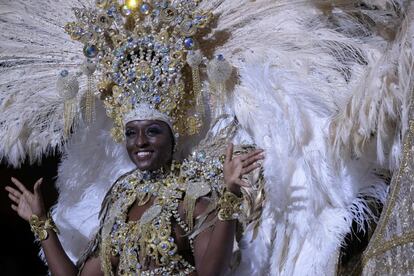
230, 206
40, 227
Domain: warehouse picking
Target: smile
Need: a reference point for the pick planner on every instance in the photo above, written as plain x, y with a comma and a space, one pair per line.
144, 154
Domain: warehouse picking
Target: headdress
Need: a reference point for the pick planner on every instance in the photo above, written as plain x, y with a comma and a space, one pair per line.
146, 60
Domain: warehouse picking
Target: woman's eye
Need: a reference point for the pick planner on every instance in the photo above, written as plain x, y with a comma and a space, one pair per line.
129, 132
153, 131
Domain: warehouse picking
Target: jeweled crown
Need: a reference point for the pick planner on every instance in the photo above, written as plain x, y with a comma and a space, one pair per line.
141, 50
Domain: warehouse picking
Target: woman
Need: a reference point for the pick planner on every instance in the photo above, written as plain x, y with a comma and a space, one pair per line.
150, 145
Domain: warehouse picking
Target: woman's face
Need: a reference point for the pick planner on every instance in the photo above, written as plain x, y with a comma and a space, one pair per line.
149, 144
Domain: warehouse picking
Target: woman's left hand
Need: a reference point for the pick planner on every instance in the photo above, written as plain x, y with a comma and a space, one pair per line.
235, 168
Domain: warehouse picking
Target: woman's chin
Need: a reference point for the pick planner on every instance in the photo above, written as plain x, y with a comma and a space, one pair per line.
144, 166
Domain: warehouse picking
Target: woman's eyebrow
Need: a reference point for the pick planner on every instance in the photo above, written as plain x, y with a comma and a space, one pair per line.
155, 125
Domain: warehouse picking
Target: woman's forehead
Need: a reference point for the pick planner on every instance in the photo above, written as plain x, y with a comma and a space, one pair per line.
145, 123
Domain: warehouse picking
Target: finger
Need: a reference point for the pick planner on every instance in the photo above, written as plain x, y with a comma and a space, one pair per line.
229, 152
14, 198
242, 183
19, 185
37, 185
13, 191
252, 160
250, 168
251, 154
14, 207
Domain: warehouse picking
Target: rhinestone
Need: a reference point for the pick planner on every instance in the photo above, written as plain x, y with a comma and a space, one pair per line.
64, 73
111, 11
125, 10
188, 43
145, 8
90, 51
201, 156
132, 4
220, 57
78, 13
157, 99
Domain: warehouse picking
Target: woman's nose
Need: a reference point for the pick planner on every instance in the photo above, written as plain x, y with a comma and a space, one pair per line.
141, 140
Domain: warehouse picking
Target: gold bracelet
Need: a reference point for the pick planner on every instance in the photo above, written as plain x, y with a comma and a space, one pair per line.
230, 206
40, 227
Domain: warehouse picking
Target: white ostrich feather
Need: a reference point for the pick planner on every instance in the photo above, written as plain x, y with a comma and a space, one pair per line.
33, 50
92, 162
297, 68
322, 86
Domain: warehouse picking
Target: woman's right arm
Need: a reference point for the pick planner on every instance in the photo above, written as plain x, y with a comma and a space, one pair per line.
26, 204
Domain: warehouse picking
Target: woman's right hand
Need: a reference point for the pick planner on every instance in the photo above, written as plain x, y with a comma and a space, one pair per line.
26, 203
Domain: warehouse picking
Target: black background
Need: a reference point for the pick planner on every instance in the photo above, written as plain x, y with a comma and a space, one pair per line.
19, 252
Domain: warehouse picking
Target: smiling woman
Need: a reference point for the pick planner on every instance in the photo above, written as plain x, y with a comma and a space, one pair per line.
149, 143
165, 217
156, 211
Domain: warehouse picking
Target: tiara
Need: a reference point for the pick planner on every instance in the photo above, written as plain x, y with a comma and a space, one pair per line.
145, 54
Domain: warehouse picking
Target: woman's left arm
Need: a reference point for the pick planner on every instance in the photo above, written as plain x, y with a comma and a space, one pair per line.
213, 247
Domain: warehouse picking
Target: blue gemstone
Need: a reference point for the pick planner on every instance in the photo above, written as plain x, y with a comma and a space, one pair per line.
189, 43
163, 246
111, 11
64, 73
145, 8
157, 99
90, 51
220, 57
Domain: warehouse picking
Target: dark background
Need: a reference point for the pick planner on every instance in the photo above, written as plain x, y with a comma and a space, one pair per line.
19, 252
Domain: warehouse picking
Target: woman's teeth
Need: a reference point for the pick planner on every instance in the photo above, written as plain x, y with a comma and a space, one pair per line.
143, 153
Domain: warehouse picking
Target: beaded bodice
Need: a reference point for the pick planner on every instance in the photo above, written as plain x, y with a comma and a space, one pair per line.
146, 246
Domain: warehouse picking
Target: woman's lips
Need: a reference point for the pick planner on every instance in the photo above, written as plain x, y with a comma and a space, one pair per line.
143, 155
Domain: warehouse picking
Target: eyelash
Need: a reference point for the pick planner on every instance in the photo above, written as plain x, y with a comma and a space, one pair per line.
151, 131
129, 132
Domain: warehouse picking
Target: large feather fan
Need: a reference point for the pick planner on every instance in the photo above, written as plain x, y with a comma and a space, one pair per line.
322, 86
